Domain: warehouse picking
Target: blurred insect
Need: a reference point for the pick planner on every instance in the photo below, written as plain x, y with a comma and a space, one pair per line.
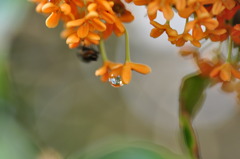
87, 54
236, 18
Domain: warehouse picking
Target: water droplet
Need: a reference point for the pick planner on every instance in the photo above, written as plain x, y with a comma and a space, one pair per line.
115, 81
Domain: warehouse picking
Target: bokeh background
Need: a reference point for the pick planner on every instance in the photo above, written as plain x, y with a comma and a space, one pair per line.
62, 110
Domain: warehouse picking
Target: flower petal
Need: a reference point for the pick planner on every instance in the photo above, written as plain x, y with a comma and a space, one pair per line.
92, 7
168, 12
144, 69
155, 32
108, 31
98, 24
49, 7
92, 14
52, 20
225, 74
217, 7
65, 8
83, 30
73, 45
126, 74
109, 18
127, 17
235, 73
215, 72
75, 23
210, 24
93, 36
72, 39
101, 71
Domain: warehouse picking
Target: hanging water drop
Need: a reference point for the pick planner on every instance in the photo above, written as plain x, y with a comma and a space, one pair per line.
115, 81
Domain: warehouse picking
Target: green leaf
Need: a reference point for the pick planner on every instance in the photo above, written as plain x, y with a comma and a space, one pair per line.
15, 142
192, 93
136, 150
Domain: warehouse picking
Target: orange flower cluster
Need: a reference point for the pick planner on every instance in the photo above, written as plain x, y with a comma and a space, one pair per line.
204, 19
85, 21
217, 68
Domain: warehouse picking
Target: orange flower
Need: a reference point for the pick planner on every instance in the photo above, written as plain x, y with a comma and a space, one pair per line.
105, 70
195, 6
57, 11
228, 14
87, 28
235, 34
160, 29
163, 5
121, 15
40, 4
206, 66
196, 24
74, 40
119, 74
181, 39
86, 24
117, 27
124, 72
220, 5
219, 34
225, 72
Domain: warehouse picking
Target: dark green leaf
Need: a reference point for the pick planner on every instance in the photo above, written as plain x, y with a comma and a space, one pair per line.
192, 93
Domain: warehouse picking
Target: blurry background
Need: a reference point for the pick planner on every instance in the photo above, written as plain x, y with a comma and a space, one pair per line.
62, 105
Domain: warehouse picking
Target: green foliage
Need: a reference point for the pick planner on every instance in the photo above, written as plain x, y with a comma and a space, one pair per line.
133, 153
192, 95
15, 142
188, 137
5, 93
137, 150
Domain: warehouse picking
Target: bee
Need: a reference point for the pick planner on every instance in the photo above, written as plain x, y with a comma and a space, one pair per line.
87, 54
236, 18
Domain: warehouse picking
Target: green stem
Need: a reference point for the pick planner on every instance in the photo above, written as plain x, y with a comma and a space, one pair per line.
238, 55
184, 31
103, 51
189, 136
127, 47
230, 45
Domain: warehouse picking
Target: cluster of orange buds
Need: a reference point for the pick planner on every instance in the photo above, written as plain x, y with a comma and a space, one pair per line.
219, 68
204, 19
88, 22
218, 21
85, 21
